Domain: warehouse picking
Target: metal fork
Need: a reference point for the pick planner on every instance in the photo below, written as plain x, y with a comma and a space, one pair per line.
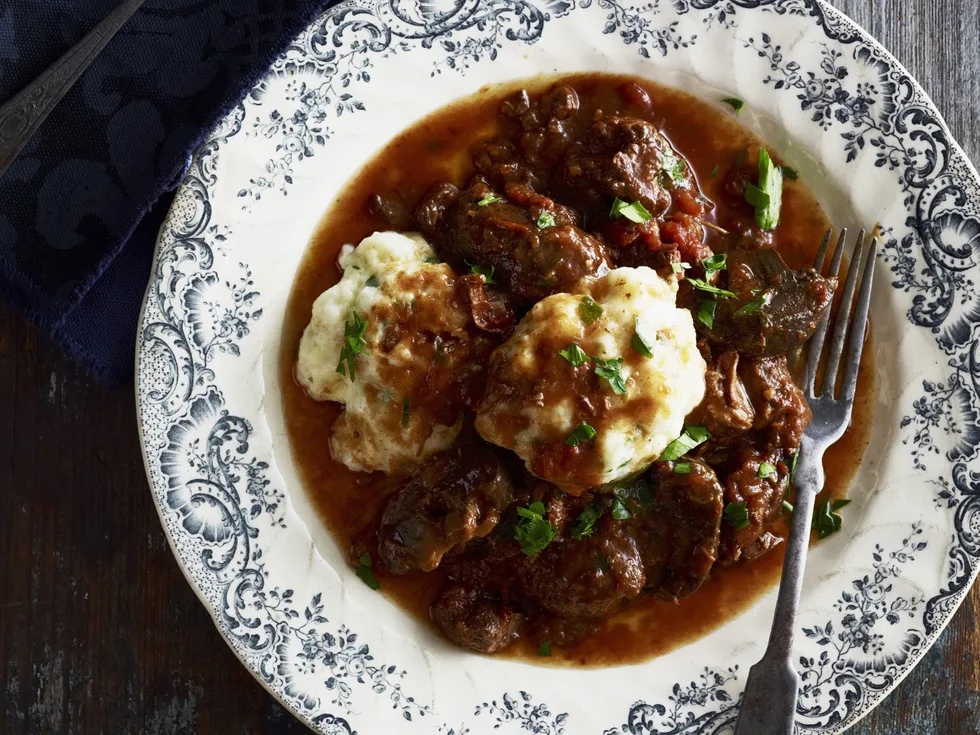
769, 702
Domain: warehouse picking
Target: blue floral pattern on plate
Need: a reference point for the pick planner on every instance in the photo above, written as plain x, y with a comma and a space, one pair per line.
210, 457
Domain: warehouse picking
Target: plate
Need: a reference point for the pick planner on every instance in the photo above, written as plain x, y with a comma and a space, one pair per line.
344, 659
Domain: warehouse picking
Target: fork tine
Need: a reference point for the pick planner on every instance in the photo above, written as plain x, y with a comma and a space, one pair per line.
855, 345
843, 320
816, 343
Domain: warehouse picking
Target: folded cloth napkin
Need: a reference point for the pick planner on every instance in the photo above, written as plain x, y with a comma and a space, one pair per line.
81, 206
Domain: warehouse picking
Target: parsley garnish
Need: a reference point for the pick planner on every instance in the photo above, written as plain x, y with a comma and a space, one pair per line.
354, 344
489, 199
737, 514
706, 312
682, 468
787, 507
372, 282
714, 171
479, 270
790, 173
545, 648
533, 531
574, 354
365, 573
717, 262
544, 282
545, 219
634, 212
619, 510
584, 525
589, 310
432, 259
792, 463
611, 370
755, 304
582, 434
406, 411
672, 166
701, 285
640, 345
692, 437
767, 197
735, 102
766, 470
826, 520
679, 267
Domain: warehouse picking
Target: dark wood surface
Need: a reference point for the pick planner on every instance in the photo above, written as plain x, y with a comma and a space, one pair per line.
99, 632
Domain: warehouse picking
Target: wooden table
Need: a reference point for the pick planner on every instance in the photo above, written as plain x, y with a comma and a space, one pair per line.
99, 632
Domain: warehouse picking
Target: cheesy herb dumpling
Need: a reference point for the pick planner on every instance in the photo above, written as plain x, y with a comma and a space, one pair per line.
392, 342
594, 384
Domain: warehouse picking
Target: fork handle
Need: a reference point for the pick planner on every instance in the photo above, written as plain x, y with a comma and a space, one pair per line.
769, 702
21, 116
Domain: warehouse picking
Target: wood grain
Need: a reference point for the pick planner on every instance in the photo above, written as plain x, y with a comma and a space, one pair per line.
99, 632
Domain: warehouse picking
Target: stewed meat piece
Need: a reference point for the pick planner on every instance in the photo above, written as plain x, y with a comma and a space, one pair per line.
472, 620
678, 534
456, 496
761, 494
781, 411
588, 578
531, 243
726, 410
775, 309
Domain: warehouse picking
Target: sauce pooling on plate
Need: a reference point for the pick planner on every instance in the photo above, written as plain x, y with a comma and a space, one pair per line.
569, 390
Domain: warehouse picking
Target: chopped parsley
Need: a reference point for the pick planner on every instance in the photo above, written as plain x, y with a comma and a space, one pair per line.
672, 166
714, 171
787, 507
584, 525
532, 531
589, 310
365, 573
792, 463
679, 267
575, 355
640, 345
735, 103
637, 495
701, 285
706, 312
619, 510
406, 411
826, 520
790, 173
611, 370
432, 259
766, 470
354, 344
693, 436
582, 434
544, 649
545, 283
755, 304
489, 199
545, 219
737, 515
479, 270
682, 468
717, 262
634, 212
767, 197
372, 282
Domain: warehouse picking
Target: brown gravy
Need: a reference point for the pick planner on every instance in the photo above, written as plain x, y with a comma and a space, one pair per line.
437, 149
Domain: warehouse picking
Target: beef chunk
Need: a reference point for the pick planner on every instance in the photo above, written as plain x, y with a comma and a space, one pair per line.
775, 309
678, 535
726, 410
781, 411
588, 578
623, 157
471, 620
456, 496
491, 308
763, 498
529, 261
432, 209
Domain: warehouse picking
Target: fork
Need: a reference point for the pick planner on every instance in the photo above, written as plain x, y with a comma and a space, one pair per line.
769, 703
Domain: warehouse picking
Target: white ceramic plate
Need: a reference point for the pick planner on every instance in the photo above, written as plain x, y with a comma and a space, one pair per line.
343, 658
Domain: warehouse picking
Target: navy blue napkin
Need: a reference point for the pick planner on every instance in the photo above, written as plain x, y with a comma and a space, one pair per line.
81, 207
